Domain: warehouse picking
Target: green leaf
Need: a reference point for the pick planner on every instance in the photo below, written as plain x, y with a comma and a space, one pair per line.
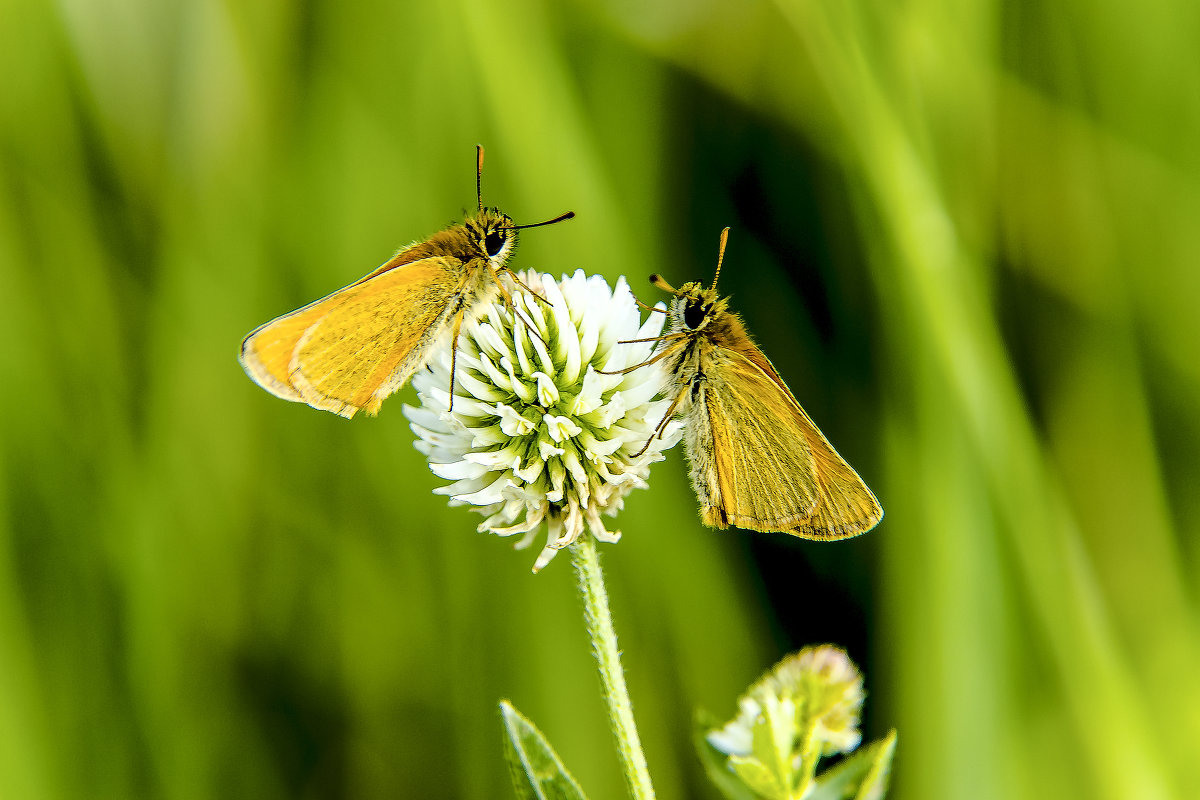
716, 764
537, 772
874, 785
861, 776
762, 779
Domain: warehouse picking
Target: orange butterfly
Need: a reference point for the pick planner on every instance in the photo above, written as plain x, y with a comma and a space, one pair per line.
757, 460
350, 350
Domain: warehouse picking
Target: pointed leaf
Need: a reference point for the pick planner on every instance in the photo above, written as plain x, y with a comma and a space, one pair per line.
537, 772
874, 786
861, 776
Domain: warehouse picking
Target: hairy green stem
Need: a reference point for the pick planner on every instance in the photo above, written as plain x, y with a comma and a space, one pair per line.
608, 658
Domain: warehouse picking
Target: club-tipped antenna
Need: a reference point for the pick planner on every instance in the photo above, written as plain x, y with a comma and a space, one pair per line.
720, 257
661, 282
559, 218
479, 175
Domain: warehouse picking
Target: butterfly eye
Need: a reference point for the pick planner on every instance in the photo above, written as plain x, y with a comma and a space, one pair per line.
694, 314
494, 242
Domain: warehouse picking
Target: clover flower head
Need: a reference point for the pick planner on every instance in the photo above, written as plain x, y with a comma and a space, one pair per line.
537, 434
819, 687
803, 709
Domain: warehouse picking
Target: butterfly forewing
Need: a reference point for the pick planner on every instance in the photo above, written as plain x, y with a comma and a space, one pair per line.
378, 334
762, 475
846, 507
352, 349
774, 469
267, 351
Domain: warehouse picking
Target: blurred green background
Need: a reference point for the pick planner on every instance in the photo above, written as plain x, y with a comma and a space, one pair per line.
966, 233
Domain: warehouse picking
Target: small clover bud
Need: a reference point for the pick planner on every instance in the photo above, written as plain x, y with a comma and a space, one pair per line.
806, 707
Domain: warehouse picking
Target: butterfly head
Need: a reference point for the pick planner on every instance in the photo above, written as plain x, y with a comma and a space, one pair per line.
694, 307
493, 235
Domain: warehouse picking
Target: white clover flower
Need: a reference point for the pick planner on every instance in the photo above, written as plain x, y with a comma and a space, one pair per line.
537, 434
820, 688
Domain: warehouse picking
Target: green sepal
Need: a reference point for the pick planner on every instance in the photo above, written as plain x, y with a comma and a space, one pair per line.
861, 776
716, 763
537, 771
774, 736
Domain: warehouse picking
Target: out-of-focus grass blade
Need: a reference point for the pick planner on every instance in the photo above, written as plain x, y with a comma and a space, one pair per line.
537, 771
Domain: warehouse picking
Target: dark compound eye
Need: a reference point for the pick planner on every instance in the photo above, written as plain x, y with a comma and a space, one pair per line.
494, 242
694, 313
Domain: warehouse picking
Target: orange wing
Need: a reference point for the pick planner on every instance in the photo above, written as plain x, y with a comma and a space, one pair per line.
759, 462
352, 349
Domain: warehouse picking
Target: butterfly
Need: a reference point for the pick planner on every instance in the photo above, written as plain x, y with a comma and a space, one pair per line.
350, 350
757, 460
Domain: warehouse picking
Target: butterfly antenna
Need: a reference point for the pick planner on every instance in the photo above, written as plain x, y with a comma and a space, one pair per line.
661, 283
560, 218
479, 175
720, 257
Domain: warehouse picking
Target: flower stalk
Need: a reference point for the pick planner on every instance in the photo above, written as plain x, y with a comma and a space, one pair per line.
608, 659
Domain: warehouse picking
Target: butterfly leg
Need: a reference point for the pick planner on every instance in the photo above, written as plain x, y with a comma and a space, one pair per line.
458, 321
662, 425
528, 290
508, 301
656, 359
650, 308
664, 338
